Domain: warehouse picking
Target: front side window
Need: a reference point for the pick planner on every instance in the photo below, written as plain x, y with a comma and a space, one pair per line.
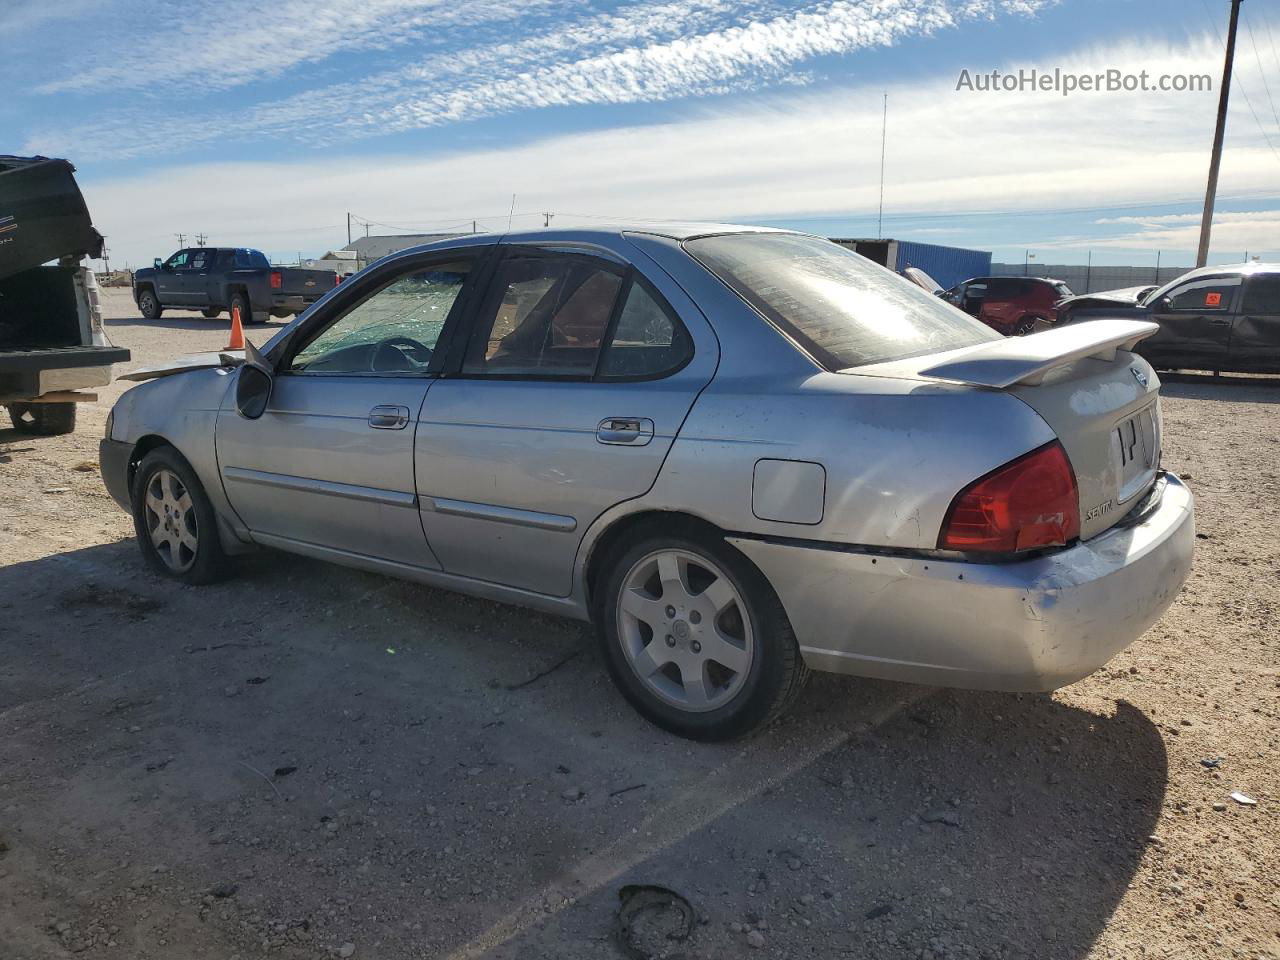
544, 316
393, 331
179, 260
1205, 296
1262, 294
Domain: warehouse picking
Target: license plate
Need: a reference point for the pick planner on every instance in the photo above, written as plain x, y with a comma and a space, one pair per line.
1136, 442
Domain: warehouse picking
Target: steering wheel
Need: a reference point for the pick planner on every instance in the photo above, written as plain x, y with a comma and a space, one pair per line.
399, 350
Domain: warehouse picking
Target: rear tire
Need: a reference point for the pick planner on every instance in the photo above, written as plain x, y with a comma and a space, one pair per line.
211, 313
149, 305
246, 311
729, 664
175, 523
1027, 325
43, 419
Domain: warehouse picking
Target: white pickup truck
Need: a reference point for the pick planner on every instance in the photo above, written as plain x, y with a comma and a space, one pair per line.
52, 343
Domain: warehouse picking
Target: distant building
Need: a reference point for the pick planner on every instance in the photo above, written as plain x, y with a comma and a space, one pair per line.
947, 265
342, 262
369, 249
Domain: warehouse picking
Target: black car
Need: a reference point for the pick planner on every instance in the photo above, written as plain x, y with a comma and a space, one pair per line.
213, 279
1214, 318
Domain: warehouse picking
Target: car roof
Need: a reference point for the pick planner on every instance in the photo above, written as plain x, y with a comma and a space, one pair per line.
1244, 269
1012, 276
672, 229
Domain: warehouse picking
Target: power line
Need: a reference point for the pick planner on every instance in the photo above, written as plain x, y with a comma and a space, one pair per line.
1243, 92
1262, 71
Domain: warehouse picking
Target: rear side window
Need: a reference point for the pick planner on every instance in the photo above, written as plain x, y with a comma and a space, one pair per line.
1262, 294
1001, 289
647, 341
844, 310
575, 317
251, 259
544, 316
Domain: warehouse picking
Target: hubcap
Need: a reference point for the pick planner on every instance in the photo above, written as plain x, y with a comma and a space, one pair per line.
684, 630
171, 520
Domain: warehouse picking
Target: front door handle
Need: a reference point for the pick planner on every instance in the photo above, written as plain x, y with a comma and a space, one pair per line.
635, 431
388, 416
1220, 321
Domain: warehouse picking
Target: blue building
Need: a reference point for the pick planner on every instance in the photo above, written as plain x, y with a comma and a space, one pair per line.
947, 265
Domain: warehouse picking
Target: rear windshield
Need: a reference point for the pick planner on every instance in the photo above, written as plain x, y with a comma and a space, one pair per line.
839, 306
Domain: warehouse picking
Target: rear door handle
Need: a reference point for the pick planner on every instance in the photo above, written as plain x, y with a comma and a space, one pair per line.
388, 417
634, 431
1220, 321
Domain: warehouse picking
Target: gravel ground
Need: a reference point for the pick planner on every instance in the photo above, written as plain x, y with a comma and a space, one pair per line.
310, 761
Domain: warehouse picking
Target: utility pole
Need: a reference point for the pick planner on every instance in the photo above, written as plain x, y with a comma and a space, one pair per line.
546, 219
200, 239
884, 132
182, 239
1215, 162
1088, 274
348, 228
1158, 268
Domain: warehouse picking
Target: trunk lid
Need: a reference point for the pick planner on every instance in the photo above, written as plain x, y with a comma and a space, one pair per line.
1100, 399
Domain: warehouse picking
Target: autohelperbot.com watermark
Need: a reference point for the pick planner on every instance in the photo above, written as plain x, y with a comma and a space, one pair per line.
1067, 82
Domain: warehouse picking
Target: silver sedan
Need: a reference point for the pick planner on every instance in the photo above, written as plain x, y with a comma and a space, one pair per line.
742, 454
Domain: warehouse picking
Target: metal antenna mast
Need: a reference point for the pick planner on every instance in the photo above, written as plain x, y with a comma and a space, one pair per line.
884, 131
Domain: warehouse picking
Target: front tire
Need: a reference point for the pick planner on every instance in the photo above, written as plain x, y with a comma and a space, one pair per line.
211, 313
43, 419
175, 523
695, 637
149, 304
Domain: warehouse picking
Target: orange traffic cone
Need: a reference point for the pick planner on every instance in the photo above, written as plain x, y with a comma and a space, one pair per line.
237, 331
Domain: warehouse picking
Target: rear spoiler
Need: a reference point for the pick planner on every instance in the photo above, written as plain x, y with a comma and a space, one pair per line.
1013, 360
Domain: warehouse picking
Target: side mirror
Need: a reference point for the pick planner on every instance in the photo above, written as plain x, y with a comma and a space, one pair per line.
157, 263
253, 387
1161, 305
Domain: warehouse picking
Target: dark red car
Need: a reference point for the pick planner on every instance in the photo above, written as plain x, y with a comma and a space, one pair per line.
1014, 306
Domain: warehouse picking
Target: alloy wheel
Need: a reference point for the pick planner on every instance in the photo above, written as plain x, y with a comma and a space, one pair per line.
684, 630
171, 520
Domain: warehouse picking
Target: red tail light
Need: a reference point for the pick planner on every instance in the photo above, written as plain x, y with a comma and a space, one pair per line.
337, 279
277, 281
1028, 503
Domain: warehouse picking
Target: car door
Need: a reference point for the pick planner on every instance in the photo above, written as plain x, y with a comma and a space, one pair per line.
330, 462
171, 279
195, 278
574, 382
1002, 303
1195, 324
1255, 331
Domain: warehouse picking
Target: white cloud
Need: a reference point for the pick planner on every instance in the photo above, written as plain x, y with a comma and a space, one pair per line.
1235, 230
644, 52
219, 45
814, 152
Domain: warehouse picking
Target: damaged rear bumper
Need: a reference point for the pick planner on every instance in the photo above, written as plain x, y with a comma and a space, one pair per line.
1030, 625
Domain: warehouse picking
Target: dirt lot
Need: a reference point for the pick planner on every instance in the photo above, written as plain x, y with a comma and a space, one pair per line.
309, 761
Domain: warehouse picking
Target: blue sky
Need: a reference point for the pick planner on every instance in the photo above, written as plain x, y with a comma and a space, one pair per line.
264, 124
